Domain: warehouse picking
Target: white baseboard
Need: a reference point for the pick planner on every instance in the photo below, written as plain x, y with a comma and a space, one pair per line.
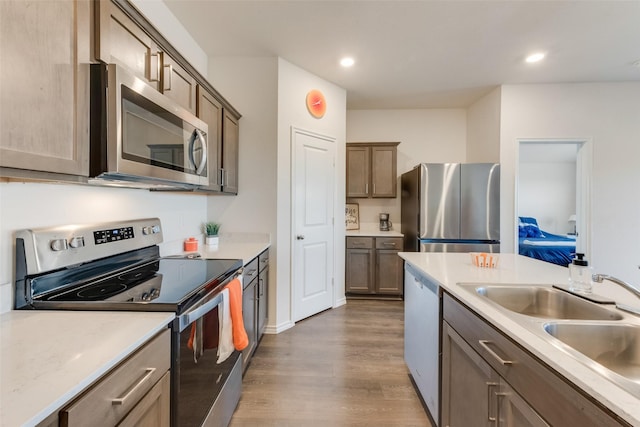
279, 328
340, 301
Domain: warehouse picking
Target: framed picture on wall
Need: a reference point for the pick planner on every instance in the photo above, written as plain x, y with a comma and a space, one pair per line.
352, 216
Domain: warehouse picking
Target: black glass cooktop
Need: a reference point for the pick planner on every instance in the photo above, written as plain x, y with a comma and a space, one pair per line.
131, 283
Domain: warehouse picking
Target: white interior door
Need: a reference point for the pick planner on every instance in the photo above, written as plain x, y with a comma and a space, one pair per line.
313, 166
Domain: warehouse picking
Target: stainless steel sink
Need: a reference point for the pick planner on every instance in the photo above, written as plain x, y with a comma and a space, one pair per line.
614, 346
544, 302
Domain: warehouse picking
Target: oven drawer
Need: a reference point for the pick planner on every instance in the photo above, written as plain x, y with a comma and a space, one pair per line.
120, 390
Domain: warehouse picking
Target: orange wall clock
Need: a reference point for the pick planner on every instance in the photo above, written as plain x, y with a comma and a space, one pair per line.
316, 104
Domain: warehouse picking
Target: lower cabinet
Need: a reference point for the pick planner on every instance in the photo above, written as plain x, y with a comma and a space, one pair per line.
488, 380
254, 303
249, 304
373, 266
136, 393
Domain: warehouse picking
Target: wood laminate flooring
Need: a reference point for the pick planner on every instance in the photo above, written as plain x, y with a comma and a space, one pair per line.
342, 367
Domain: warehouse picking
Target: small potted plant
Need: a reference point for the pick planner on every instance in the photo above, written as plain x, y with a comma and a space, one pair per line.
211, 230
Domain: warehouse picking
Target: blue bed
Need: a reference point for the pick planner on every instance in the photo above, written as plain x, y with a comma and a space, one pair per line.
539, 244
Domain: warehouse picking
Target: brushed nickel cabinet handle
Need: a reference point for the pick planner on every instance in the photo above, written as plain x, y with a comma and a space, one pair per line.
147, 376
154, 67
490, 386
169, 79
485, 345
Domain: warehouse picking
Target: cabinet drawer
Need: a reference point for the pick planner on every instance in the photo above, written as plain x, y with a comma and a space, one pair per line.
359, 242
119, 391
389, 243
250, 272
263, 260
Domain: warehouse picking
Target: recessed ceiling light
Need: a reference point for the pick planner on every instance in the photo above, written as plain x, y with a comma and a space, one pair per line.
535, 57
347, 62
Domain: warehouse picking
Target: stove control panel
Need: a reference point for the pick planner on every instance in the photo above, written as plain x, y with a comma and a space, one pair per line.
51, 248
113, 235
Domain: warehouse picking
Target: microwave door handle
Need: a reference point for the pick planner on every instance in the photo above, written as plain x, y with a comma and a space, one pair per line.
203, 161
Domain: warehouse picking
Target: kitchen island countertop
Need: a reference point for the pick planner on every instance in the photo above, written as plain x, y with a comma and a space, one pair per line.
47, 358
450, 270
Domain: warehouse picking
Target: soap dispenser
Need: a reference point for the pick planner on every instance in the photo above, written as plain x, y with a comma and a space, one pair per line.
580, 275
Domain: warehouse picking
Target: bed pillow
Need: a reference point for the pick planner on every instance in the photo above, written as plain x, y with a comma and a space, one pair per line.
528, 227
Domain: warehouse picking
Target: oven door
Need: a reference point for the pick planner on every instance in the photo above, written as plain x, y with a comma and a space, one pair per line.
204, 392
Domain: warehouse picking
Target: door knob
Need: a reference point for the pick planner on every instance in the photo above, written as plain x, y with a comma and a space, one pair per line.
300, 237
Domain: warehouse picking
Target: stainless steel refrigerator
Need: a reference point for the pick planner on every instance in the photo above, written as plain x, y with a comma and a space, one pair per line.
451, 207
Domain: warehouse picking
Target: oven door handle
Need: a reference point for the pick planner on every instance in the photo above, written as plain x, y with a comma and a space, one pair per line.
191, 316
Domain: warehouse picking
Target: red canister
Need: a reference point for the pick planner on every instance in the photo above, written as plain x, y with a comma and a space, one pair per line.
191, 244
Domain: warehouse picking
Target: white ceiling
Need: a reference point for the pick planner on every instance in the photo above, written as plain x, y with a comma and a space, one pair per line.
425, 53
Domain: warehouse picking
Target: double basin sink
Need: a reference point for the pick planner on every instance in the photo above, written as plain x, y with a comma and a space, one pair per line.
598, 335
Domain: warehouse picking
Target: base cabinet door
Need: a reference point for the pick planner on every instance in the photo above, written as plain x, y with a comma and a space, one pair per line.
468, 384
249, 317
153, 410
389, 267
360, 271
513, 411
263, 286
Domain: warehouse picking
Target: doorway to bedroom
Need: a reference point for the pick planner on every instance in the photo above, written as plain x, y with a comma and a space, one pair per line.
552, 198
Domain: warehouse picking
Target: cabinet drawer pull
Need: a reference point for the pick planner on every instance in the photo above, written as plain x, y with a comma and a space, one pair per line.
167, 80
251, 272
485, 345
389, 244
359, 244
154, 69
144, 379
491, 418
499, 397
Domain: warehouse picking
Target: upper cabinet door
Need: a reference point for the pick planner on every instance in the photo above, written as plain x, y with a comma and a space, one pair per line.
210, 111
230, 147
44, 85
119, 39
383, 171
372, 169
177, 84
358, 164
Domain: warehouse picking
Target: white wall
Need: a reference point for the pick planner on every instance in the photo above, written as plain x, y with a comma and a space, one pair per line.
34, 205
430, 135
483, 129
254, 209
293, 85
547, 192
607, 115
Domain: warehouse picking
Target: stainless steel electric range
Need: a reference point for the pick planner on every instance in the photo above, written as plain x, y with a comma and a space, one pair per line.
117, 266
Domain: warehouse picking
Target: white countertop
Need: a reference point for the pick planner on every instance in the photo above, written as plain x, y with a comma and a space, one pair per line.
244, 246
48, 357
449, 270
373, 230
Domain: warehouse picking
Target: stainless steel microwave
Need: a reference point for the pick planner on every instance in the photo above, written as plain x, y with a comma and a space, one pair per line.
140, 137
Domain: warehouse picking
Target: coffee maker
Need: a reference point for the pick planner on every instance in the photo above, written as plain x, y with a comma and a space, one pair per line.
385, 224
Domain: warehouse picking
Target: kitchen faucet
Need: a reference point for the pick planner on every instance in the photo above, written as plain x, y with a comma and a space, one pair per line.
599, 278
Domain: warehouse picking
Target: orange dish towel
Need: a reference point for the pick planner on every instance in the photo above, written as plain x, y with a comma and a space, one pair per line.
240, 338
